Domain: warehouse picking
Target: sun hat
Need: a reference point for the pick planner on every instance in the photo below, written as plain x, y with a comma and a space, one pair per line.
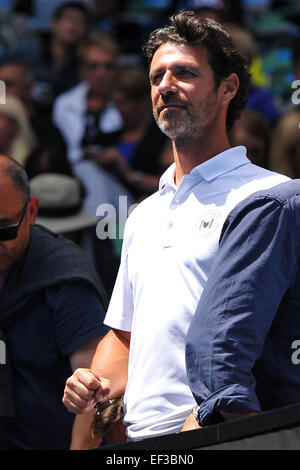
60, 203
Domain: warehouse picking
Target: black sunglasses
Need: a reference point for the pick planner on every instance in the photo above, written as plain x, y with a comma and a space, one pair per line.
11, 232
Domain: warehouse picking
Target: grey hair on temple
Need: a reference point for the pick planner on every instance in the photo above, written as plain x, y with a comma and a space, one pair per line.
17, 173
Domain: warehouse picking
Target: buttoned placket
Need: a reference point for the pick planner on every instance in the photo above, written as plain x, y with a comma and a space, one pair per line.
169, 224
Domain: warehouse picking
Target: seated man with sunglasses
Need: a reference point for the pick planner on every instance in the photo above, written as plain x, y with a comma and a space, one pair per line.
51, 314
89, 121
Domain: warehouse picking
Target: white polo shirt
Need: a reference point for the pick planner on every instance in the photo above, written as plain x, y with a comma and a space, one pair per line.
170, 243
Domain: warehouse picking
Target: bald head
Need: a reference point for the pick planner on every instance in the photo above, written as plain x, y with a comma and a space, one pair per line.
11, 168
17, 210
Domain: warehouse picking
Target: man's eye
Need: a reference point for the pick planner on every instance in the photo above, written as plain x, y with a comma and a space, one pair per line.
156, 79
185, 73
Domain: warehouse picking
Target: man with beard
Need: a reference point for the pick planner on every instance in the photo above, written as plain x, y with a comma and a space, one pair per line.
198, 88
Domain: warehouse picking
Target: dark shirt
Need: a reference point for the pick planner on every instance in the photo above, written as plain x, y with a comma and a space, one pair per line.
51, 304
94, 140
243, 345
61, 320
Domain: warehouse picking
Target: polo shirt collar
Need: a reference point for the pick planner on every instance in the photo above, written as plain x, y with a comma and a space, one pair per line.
216, 166
222, 163
167, 179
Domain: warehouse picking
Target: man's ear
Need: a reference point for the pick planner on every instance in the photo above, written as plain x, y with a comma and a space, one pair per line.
33, 207
229, 87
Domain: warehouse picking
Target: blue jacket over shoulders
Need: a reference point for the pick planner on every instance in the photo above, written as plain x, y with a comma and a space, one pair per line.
243, 345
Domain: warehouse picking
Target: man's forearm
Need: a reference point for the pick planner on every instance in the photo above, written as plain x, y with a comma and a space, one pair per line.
110, 364
82, 435
111, 361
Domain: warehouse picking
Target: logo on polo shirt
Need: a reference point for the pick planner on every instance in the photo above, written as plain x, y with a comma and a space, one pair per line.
207, 224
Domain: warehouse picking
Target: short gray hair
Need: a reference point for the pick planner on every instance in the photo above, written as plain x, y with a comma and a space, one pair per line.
18, 175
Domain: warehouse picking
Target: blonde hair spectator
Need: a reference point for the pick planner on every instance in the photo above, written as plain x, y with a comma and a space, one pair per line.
21, 139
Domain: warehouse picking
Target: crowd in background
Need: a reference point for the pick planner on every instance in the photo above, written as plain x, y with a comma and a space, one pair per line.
78, 98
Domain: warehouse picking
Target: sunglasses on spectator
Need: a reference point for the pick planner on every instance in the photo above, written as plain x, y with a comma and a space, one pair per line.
10, 232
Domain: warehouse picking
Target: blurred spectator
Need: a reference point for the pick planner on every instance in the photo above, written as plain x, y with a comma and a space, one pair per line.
17, 138
19, 82
105, 13
18, 78
60, 210
222, 11
112, 16
259, 97
57, 68
136, 157
253, 131
23, 6
90, 121
52, 306
85, 114
17, 38
277, 66
275, 28
131, 21
285, 147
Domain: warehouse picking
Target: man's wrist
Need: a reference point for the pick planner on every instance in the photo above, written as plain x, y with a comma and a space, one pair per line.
195, 413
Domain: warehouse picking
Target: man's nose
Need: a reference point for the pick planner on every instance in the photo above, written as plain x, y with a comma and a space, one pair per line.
167, 84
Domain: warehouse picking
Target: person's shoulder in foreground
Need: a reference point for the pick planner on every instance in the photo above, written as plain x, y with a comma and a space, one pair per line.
284, 193
240, 350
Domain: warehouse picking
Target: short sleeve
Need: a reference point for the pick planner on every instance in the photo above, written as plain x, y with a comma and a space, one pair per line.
121, 307
77, 313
